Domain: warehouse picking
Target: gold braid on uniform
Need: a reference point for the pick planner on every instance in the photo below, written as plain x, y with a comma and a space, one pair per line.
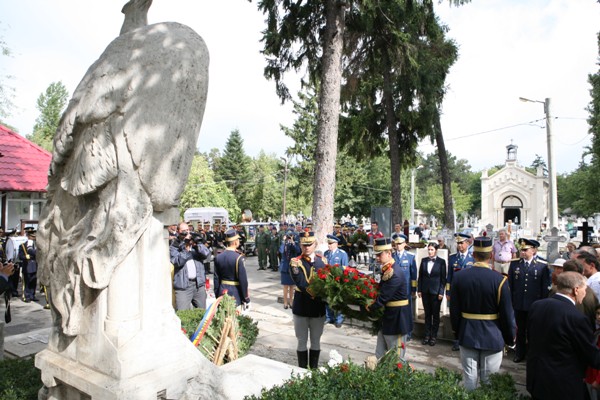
388, 271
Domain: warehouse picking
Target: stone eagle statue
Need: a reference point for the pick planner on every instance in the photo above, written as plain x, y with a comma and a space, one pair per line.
122, 154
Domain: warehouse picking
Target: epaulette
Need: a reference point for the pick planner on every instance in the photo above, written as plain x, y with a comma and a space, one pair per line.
539, 260
514, 259
296, 262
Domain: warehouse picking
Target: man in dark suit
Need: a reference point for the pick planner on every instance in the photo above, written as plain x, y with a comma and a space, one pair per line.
529, 280
560, 343
482, 316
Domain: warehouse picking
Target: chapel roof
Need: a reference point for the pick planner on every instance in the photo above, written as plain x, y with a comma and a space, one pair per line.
23, 164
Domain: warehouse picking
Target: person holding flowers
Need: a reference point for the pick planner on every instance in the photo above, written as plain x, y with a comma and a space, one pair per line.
407, 265
393, 298
335, 257
308, 310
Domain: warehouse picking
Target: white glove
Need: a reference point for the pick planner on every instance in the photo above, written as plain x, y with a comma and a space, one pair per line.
247, 306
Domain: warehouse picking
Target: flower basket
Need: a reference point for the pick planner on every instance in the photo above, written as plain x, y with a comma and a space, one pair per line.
347, 291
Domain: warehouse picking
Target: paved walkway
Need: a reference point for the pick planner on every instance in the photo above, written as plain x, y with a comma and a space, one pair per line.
28, 332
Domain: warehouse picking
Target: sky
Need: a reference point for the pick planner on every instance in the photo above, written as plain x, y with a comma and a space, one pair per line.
508, 49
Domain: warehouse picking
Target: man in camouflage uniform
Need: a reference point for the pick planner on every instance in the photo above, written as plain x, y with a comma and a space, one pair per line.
262, 244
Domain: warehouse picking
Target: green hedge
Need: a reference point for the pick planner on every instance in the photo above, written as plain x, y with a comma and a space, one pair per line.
19, 380
392, 379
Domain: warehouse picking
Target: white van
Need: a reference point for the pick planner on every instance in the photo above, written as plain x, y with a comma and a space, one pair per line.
214, 215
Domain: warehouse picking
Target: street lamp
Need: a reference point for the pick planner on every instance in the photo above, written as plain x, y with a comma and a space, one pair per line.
553, 197
285, 174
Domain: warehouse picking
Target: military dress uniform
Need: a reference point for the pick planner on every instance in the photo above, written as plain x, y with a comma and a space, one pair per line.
309, 311
529, 281
336, 257
393, 296
27, 256
482, 317
230, 273
406, 264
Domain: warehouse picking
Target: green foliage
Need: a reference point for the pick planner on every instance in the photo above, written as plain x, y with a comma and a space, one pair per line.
50, 104
19, 380
466, 186
292, 40
304, 134
202, 191
266, 187
392, 379
233, 169
247, 328
433, 203
580, 190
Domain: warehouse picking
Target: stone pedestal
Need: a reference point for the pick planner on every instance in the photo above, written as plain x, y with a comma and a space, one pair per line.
131, 345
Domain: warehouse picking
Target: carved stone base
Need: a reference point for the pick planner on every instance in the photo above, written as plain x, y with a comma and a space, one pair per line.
66, 379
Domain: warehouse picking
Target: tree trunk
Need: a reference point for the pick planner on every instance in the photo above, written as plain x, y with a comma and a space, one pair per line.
390, 122
328, 122
446, 184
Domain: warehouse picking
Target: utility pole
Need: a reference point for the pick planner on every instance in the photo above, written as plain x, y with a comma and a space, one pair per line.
285, 174
552, 192
553, 215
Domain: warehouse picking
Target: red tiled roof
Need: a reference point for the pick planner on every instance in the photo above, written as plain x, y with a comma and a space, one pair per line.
23, 164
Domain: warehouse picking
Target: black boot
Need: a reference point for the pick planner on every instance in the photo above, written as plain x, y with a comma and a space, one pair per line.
314, 358
302, 358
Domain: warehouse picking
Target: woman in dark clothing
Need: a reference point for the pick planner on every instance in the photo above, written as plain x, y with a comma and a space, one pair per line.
430, 288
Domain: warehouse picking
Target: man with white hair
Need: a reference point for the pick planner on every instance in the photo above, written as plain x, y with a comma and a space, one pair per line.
504, 251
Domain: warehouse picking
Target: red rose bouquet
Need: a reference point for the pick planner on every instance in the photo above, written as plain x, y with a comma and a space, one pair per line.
346, 290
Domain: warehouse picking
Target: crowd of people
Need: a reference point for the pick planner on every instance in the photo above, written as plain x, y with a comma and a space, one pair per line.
500, 294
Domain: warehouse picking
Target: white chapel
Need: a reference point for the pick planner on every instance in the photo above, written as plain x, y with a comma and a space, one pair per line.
513, 193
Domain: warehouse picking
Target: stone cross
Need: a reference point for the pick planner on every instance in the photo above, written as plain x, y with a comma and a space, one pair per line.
585, 230
552, 248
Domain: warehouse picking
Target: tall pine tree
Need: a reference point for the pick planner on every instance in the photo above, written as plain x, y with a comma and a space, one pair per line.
233, 169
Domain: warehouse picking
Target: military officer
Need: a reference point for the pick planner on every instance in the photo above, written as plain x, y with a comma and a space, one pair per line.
406, 264
27, 256
393, 295
334, 256
481, 315
337, 232
273, 249
458, 261
230, 272
262, 244
309, 311
242, 234
529, 280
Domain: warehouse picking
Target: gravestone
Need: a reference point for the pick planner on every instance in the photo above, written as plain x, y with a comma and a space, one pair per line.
552, 248
585, 230
122, 154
